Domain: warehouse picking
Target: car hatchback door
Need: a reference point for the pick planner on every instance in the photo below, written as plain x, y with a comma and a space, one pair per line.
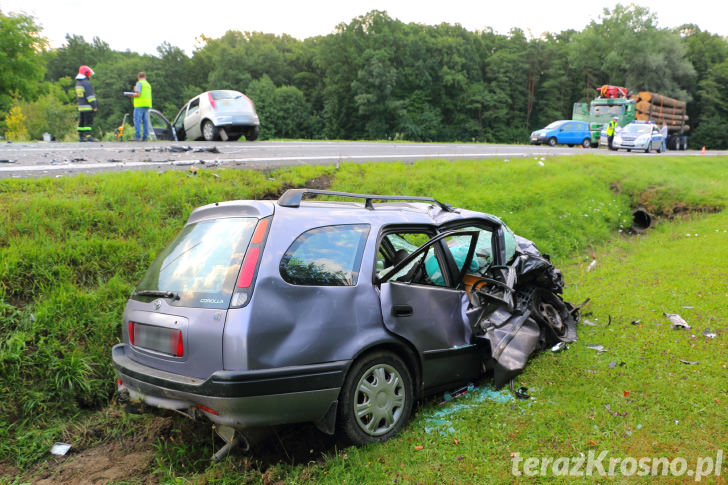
175, 319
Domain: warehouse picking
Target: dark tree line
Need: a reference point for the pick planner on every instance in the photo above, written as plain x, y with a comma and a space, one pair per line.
379, 78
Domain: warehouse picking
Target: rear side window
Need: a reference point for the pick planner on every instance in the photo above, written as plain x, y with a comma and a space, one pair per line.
326, 256
201, 264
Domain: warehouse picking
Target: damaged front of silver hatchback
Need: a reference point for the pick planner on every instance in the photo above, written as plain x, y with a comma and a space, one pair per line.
522, 311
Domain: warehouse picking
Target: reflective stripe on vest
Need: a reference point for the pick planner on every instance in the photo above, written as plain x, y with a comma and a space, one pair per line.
144, 100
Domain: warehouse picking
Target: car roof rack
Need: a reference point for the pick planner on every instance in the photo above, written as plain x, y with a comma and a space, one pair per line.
292, 198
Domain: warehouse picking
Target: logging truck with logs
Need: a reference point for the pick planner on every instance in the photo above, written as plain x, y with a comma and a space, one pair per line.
644, 106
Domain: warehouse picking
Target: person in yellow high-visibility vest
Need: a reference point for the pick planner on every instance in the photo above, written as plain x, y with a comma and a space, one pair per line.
142, 95
611, 128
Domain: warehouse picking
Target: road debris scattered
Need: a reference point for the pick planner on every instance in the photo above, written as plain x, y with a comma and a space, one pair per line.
689, 362
677, 321
599, 348
60, 449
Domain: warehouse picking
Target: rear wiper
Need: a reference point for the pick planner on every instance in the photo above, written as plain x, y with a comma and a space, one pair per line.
160, 293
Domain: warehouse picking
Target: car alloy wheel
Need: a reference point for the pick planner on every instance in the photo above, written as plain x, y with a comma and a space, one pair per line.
376, 399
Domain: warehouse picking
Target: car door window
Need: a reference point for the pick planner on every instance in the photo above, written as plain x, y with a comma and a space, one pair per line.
395, 247
458, 246
403, 261
326, 256
194, 107
179, 121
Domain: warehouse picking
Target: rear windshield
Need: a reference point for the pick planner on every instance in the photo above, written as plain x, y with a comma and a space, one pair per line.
201, 264
216, 95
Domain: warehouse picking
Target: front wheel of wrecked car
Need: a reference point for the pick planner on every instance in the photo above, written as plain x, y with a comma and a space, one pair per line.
556, 319
376, 399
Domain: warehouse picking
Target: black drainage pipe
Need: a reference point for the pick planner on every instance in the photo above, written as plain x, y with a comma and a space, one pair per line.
641, 220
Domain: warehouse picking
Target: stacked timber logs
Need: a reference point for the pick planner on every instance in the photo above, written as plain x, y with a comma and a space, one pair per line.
658, 108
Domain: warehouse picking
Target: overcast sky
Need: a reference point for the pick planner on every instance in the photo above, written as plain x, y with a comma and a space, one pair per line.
180, 22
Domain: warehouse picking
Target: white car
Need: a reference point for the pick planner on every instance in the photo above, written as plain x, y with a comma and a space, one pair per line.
217, 115
638, 135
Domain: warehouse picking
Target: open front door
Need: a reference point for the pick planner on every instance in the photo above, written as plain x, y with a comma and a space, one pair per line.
423, 301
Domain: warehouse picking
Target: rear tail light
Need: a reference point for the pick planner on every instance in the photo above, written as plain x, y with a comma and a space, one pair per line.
180, 350
212, 100
208, 410
131, 333
251, 262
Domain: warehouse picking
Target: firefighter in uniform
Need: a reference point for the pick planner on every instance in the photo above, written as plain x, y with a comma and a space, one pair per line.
86, 103
611, 128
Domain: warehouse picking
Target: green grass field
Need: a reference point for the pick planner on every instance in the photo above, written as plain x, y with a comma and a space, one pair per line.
71, 250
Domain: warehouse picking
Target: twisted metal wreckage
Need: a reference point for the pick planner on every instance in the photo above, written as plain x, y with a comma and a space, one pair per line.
522, 311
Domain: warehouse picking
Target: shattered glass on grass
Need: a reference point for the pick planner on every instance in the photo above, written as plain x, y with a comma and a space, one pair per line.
441, 419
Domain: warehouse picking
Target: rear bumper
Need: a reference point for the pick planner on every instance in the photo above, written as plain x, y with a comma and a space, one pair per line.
239, 399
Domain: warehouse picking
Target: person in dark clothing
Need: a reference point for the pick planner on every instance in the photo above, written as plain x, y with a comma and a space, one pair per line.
86, 103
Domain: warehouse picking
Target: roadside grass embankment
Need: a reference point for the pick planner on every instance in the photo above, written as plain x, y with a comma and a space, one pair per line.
71, 250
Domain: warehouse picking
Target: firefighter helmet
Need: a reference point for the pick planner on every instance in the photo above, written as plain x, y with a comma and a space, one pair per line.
86, 71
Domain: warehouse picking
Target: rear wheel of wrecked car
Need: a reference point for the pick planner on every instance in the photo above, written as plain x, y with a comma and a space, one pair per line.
586, 143
209, 131
376, 399
552, 141
252, 133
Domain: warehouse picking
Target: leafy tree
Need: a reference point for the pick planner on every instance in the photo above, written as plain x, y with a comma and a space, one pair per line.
76, 52
262, 92
628, 49
290, 114
372, 90
714, 117
21, 66
51, 113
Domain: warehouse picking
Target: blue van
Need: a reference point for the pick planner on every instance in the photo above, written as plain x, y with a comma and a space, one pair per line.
566, 132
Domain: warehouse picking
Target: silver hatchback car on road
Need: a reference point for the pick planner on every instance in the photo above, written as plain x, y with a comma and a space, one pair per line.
217, 115
341, 313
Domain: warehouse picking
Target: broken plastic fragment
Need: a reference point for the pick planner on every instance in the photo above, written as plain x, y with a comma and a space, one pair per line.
709, 334
589, 323
599, 348
677, 321
613, 364
60, 449
592, 265
559, 347
690, 362
522, 393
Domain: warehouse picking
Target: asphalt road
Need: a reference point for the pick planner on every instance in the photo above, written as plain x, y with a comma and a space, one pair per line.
52, 159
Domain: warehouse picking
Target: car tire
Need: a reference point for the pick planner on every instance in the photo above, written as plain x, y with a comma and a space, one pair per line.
209, 131
586, 143
252, 133
376, 399
552, 141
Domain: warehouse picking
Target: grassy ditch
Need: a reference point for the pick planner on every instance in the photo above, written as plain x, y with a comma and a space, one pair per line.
71, 250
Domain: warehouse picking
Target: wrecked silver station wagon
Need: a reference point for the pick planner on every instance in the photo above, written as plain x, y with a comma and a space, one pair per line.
341, 313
